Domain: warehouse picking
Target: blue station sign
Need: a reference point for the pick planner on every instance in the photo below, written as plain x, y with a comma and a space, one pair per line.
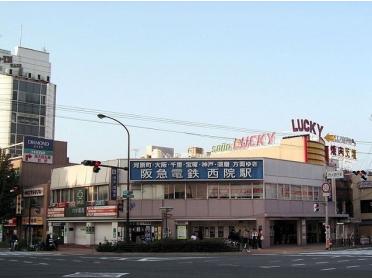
196, 170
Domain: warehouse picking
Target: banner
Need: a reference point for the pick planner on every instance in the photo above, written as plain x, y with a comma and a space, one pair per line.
114, 183
54, 212
101, 211
37, 150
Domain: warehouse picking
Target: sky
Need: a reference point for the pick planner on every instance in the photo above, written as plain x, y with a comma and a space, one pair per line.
251, 65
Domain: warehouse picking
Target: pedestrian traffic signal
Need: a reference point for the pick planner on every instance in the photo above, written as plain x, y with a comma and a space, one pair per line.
95, 164
316, 207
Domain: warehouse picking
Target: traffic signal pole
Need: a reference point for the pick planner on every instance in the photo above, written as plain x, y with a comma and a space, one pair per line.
327, 228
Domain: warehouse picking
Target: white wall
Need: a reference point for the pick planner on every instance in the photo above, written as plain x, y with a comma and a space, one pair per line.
287, 172
103, 230
6, 88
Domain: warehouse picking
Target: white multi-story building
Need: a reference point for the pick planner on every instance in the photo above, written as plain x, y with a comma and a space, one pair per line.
27, 97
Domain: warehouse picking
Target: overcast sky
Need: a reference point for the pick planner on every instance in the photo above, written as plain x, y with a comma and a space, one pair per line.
243, 64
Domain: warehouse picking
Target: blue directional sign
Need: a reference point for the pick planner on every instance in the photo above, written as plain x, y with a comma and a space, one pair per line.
196, 170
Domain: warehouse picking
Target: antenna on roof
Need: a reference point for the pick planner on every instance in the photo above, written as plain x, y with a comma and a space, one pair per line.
20, 37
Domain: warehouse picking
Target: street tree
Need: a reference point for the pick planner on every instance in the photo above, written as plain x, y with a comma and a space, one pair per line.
8, 184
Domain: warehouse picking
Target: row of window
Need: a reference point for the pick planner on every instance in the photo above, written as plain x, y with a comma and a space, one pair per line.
27, 97
28, 108
29, 86
199, 191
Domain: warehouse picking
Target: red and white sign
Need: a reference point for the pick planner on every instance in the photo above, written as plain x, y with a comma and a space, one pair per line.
101, 211
56, 212
255, 141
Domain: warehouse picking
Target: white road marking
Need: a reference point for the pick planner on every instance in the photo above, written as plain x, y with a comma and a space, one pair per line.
95, 275
13, 260
321, 262
298, 264
331, 268
96, 262
43, 264
352, 266
342, 261
296, 260
269, 266
77, 261
361, 259
27, 262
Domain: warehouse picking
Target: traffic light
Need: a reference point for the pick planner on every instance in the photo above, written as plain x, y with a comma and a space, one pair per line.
96, 167
316, 207
95, 164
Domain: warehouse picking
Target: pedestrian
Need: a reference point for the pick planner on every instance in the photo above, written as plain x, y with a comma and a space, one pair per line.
13, 241
254, 238
260, 238
245, 241
193, 237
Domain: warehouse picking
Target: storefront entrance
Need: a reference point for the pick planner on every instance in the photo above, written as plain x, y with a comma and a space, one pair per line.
285, 232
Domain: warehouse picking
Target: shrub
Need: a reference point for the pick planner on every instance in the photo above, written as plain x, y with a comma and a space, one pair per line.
168, 245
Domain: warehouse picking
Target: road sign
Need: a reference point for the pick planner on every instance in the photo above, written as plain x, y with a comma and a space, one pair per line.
335, 174
326, 188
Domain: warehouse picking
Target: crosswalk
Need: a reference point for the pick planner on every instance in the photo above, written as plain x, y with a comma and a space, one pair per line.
366, 252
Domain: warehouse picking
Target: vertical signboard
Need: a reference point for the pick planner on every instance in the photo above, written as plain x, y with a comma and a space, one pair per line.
37, 150
80, 197
114, 183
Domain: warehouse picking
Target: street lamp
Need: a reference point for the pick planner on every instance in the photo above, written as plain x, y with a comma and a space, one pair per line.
101, 116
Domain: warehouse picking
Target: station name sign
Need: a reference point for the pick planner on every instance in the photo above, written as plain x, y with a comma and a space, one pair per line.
196, 170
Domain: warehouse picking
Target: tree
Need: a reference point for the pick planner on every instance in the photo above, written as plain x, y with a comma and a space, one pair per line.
8, 182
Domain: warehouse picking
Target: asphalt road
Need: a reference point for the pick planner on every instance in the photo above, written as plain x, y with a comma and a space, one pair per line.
353, 263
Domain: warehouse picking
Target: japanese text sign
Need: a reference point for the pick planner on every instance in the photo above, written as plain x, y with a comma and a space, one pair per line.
196, 170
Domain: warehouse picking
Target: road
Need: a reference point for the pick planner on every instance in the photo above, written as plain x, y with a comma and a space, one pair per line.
346, 263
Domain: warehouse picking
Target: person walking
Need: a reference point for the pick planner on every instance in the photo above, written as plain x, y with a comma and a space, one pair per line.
13, 242
245, 241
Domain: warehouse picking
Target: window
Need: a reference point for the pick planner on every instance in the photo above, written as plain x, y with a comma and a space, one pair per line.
212, 191
90, 192
169, 192
271, 191
257, 191
220, 232
296, 192
241, 191
307, 193
283, 191
179, 192
191, 190
147, 191
366, 206
102, 193
137, 190
224, 191
316, 193
158, 191
15, 95
212, 232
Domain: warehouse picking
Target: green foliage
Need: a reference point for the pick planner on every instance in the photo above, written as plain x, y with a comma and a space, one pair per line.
169, 245
8, 180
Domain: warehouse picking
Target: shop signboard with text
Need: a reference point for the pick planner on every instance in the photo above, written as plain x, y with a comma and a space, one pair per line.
55, 212
38, 150
101, 211
196, 170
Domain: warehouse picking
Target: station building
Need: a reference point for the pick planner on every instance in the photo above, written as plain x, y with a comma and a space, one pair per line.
206, 196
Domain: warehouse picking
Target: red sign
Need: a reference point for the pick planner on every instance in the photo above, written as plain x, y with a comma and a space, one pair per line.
62, 204
100, 211
56, 212
304, 125
254, 141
